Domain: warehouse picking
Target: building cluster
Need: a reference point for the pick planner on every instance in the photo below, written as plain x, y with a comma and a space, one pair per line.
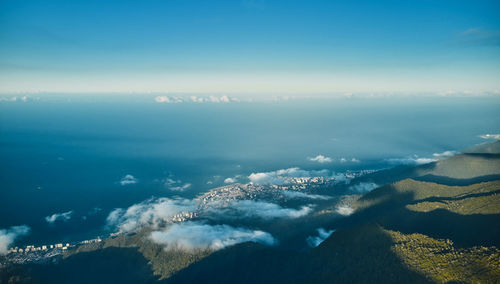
91, 241
183, 216
32, 248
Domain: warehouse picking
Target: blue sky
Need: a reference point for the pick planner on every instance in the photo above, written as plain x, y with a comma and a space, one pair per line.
249, 46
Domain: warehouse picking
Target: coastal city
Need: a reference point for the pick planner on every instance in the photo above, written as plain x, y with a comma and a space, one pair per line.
40, 254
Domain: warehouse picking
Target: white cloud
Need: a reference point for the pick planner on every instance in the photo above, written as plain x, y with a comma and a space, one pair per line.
181, 187
176, 185
314, 241
490, 136
279, 177
230, 180
152, 212
354, 160
168, 100
128, 179
321, 159
344, 210
363, 187
262, 209
192, 235
162, 99
66, 216
301, 195
445, 154
343, 160
8, 236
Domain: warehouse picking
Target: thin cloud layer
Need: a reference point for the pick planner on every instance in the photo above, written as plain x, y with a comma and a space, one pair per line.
314, 241
192, 235
415, 160
66, 216
128, 179
301, 195
321, 159
8, 236
363, 187
344, 210
176, 185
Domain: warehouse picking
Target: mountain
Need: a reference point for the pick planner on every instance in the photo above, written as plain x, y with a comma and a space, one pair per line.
434, 223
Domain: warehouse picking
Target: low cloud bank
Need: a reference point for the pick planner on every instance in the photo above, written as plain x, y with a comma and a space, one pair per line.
301, 195
128, 179
321, 159
279, 177
363, 187
152, 212
314, 241
192, 235
263, 210
66, 216
8, 236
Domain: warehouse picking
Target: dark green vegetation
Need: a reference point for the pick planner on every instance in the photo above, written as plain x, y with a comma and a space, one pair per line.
434, 223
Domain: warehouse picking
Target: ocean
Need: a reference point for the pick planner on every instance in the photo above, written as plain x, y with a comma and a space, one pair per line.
59, 156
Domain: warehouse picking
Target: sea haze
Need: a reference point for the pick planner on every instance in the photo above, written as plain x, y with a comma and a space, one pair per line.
89, 157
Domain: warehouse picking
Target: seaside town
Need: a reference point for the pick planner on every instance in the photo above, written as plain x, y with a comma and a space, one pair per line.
31, 253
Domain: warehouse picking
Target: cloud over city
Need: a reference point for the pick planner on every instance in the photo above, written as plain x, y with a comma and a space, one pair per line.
279, 177
152, 212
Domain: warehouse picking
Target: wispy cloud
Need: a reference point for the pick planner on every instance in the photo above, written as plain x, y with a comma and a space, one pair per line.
128, 179
344, 209
478, 36
320, 159
192, 235
363, 187
445, 154
301, 195
8, 236
176, 185
66, 216
490, 136
314, 241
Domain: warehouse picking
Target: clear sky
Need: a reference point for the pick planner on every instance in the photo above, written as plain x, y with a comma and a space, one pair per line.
249, 46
